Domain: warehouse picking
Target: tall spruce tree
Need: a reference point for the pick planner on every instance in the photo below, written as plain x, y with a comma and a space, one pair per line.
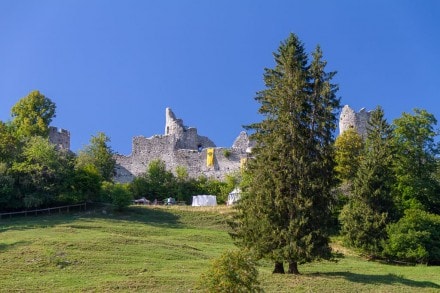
371, 206
285, 210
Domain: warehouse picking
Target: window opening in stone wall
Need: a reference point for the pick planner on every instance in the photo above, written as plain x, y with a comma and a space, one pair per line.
199, 147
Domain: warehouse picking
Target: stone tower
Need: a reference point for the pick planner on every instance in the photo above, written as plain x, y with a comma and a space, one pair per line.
59, 137
173, 126
351, 119
184, 137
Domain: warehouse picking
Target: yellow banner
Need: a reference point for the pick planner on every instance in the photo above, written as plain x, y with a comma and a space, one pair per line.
243, 163
210, 157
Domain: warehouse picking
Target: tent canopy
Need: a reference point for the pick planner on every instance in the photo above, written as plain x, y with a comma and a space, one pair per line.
233, 196
204, 200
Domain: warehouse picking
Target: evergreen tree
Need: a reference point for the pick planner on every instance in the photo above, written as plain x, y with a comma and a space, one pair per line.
371, 207
284, 213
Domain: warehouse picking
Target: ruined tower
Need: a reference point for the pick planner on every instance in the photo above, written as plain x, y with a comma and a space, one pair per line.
185, 137
351, 119
59, 137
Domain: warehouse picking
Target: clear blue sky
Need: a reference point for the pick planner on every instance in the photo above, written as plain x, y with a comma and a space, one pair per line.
114, 66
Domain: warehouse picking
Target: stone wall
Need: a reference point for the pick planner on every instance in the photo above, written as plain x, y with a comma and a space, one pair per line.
181, 146
59, 137
352, 119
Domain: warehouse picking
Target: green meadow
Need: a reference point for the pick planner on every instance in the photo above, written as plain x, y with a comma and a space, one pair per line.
166, 249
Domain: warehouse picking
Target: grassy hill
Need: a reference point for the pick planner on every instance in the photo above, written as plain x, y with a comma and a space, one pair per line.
164, 249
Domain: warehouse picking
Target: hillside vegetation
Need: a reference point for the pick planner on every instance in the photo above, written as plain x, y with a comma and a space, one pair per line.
165, 249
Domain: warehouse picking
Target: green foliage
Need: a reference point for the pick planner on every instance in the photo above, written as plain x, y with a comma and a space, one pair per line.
363, 228
85, 185
119, 194
159, 183
6, 188
415, 238
40, 173
348, 149
213, 187
32, 115
284, 213
181, 174
416, 161
99, 154
156, 183
233, 272
227, 153
371, 206
9, 144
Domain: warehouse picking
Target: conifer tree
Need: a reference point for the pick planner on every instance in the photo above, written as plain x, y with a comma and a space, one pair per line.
371, 206
285, 210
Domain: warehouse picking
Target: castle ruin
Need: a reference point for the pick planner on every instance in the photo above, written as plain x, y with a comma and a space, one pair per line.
182, 146
59, 137
350, 119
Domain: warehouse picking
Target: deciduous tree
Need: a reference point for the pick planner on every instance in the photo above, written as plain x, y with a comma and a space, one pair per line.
32, 115
416, 163
99, 154
348, 148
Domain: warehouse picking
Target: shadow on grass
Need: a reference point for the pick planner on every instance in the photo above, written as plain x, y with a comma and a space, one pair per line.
4, 246
389, 279
151, 216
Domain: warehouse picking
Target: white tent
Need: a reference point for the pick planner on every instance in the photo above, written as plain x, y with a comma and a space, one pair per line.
204, 200
233, 196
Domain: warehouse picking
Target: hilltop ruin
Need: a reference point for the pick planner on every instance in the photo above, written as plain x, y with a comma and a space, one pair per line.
182, 146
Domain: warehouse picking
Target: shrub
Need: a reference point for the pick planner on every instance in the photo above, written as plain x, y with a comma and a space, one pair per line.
227, 153
363, 228
233, 272
119, 194
414, 238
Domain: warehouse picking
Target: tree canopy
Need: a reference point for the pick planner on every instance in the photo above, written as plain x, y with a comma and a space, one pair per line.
32, 115
99, 154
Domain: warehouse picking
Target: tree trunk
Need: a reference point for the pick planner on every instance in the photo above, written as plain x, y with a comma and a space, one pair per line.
293, 268
279, 268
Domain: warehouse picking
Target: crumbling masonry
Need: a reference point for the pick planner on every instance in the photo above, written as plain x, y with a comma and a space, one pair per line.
351, 119
181, 146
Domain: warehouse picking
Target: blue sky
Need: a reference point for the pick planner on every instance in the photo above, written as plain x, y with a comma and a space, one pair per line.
114, 66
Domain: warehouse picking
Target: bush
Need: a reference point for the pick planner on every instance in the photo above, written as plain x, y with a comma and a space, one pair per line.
414, 238
118, 194
363, 228
233, 272
227, 153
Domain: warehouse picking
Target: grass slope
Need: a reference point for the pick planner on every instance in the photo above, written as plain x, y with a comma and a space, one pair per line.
164, 249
